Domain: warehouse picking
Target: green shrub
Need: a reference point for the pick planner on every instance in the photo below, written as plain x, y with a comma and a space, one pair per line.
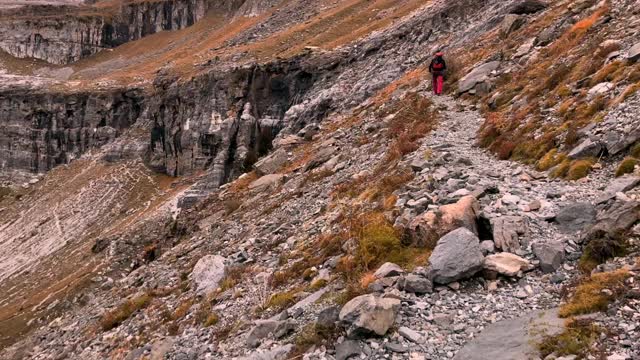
281, 301
561, 169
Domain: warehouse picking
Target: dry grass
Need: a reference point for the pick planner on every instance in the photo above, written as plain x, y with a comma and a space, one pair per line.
577, 338
627, 166
580, 169
280, 301
596, 293
122, 312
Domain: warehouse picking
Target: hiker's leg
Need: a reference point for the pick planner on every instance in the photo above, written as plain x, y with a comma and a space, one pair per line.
440, 84
434, 83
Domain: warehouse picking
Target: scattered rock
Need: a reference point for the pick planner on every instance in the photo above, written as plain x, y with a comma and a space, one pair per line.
410, 335
369, 314
347, 349
388, 270
264, 328
506, 264
550, 254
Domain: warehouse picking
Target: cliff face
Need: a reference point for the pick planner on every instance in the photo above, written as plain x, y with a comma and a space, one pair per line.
41, 130
66, 38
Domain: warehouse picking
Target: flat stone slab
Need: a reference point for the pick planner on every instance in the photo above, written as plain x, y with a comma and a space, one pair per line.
512, 339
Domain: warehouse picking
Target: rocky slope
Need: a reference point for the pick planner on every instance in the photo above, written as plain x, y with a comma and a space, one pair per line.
289, 191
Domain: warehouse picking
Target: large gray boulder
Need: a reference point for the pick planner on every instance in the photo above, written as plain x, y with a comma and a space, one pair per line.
511, 23
267, 182
369, 315
615, 220
616, 142
416, 284
576, 217
550, 254
587, 148
208, 273
272, 163
510, 232
526, 7
266, 328
634, 53
457, 256
477, 76
512, 339
388, 270
621, 184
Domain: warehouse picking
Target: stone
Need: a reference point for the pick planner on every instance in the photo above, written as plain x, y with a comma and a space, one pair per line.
208, 272
369, 315
415, 284
267, 182
575, 217
388, 270
320, 158
512, 339
603, 88
617, 185
525, 48
410, 335
276, 353
347, 349
526, 7
617, 142
614, 220
456, 256
487, 247
272, 163
428, 227
550, 254
396, 347
587, 148
506, 264
328, 317
509, 232
510, 199
511, 23
478, 75
418, 164
634, 53
264, 328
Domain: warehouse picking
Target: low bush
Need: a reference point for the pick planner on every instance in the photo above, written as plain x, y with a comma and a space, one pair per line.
211, 320
122, 312
602, 248
280, 301
627, 166
577, 338
590, 295
579, 169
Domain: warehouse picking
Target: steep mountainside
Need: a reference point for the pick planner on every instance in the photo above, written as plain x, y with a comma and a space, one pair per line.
265, 179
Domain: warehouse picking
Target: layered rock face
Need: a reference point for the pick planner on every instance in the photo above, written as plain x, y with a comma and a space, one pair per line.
223, 121
40, 130
61, 38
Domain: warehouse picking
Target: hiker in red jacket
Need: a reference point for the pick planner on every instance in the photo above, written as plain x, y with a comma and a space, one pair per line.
437, 69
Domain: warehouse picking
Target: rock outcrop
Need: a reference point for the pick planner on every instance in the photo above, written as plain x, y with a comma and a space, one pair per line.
66, 37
